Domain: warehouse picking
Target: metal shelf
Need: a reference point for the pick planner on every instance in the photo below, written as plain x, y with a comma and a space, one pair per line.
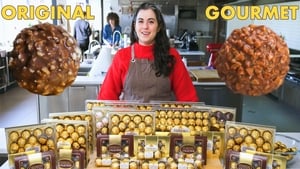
10, 79
3, 71
3, 87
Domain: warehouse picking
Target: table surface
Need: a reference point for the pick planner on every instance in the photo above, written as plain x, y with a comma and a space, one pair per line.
295, 165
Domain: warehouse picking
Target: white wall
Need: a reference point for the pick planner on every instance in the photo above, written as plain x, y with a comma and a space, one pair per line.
10, 28
287, 28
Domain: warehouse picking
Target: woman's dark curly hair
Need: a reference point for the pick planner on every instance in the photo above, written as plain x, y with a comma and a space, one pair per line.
163, 61
113, 16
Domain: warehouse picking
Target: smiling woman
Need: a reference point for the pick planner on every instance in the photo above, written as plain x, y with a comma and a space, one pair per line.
149, 69
43, 12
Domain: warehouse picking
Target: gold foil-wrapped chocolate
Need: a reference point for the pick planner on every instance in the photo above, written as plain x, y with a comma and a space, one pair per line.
242, 136
193, 119
67, 138
70, 129
27, 138
151, 147
131, 122
218, 116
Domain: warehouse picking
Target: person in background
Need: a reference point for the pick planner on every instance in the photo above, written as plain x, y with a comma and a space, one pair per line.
82, 33
112, 26
149, 69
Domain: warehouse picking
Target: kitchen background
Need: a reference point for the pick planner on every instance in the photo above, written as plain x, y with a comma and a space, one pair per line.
179, 16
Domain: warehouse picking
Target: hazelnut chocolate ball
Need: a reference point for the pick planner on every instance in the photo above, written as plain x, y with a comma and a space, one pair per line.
37, 132
13, 136
14, 148
25, 134
45, 59
253, 61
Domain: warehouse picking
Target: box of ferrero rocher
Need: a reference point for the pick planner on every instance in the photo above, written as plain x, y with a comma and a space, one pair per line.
151, 147
191, 120
176, 104
155, 164
126, 163
70, 158
101, 118
112, 148
115, 146
11, 157
38, 137
36, 160
241, 136
78, 115
188, 149
131, 122
244, 160
274, 161
71, 134
90, 104
215, 143
29, 139
219, 115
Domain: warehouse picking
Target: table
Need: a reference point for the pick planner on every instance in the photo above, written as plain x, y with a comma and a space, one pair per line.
295, 165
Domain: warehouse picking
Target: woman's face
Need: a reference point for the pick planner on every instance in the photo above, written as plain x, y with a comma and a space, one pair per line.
146, 26
112, 22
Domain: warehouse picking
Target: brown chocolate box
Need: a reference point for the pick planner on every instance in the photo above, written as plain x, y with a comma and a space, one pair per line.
36, 160
115, 144
68, 158
243, 160
188, 147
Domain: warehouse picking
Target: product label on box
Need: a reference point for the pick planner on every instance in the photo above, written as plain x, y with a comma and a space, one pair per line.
188, 149
153, 166
106, 161
114, 148
189, 160
182, 166
124, 165
66, 164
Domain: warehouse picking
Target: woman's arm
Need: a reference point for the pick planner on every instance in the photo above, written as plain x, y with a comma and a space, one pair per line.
181, 81
112, 86
106, 35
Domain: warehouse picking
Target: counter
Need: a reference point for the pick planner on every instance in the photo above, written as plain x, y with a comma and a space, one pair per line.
86, 80
190, 53
193, 56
